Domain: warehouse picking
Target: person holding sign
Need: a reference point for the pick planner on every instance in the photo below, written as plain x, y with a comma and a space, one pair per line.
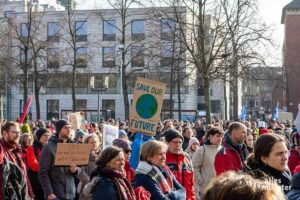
57, 181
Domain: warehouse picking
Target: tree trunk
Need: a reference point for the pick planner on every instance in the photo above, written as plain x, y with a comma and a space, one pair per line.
207, 99
179, 93
74, 105
225, 102
36, 91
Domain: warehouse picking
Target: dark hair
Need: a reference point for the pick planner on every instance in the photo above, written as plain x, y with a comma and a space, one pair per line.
213, 131
234, 126
186, 128
262, 148
107, 155
7, 125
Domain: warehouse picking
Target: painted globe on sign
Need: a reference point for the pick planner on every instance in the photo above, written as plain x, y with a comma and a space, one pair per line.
146, 106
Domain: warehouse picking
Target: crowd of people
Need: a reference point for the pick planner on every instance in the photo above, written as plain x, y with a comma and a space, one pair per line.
184, 160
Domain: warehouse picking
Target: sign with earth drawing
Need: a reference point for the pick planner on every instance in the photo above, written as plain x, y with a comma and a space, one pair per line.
146, 106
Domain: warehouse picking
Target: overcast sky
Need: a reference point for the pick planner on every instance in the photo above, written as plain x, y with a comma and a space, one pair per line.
270, 11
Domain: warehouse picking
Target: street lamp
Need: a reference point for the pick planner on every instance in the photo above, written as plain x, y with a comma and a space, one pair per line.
98, 90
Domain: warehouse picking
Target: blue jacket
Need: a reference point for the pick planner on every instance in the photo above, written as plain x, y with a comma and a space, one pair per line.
135, 146
156, 194
105, 189
294, 194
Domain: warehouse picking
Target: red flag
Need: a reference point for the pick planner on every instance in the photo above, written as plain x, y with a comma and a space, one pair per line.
25, 110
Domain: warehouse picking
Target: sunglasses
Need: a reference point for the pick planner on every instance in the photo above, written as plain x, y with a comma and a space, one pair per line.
127, 151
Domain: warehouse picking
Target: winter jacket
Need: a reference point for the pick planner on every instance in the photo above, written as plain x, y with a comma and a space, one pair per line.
185, 143
182, 168
230, 157
190, 152
33, 156
145, 180
84, 175
203, 163
283, 179
294, 194
135, 146
294, 160
56, 180
15, 155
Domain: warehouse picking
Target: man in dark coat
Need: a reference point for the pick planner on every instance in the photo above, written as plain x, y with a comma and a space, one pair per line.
57, 182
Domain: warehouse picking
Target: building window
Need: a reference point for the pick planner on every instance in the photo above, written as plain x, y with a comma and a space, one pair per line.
166, 55
23, 57
53, 84
81, 83
81, 29
167, 29
53, 31
167, 103
52, 109
24, 30
138, 29
132, 79
82, 60
109, 57
109, 30
53, 58
109, 105
137, 56
101, 81
9, 14
215, 106
29, 113
66, 83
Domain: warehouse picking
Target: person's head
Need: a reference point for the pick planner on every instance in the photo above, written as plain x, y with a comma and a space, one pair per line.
215, 136
247, 124
179, 128
112, 157
194, 144
237, 132
174, 140
249, 140
79, 135
168, 124
11, 132
154, 151
125, 145
253, 125
26, 140
187, 132
231, 185
42, 135
271, 150
93, 140
63, 129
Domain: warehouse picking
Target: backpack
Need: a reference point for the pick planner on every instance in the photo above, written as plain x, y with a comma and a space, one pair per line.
14, 184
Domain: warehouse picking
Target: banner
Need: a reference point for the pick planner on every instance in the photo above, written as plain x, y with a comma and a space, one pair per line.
68, 153
109, 134
146, 106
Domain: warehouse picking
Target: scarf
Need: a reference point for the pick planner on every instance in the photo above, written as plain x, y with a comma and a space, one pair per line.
124, 190
161, 176
240, 148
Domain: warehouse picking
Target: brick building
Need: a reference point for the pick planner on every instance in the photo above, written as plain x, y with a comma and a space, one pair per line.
291, 53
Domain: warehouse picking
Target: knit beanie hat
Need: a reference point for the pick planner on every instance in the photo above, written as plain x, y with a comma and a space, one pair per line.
25, 128
122, 133
171, 134
40, 132
60, 124
193, 140
263, 131
123, 144
79, 133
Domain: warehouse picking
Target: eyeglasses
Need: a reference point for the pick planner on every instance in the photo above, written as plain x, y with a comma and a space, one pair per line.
15, 132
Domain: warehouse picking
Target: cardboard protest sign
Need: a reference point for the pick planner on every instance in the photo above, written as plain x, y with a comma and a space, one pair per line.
109, 134
146, 106
68, 153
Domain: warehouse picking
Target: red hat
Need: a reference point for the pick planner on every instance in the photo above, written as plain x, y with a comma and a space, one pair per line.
263, 131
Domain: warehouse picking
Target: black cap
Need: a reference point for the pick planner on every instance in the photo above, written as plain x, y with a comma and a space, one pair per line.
171, 134
60, 124
40, 132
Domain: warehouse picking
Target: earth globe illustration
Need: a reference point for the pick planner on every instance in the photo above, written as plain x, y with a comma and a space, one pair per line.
146, 106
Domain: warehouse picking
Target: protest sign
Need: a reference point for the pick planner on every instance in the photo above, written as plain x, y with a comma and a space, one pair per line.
75, 120
109, 134
68, 153
146, 106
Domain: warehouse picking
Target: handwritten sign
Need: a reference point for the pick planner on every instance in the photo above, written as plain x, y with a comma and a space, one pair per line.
146, 106
109, 134
67, 154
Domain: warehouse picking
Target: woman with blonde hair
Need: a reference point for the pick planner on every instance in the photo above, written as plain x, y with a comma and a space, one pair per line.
154, 175
233, 186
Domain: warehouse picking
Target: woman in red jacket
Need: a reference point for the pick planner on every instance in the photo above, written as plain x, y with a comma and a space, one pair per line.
33, 156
